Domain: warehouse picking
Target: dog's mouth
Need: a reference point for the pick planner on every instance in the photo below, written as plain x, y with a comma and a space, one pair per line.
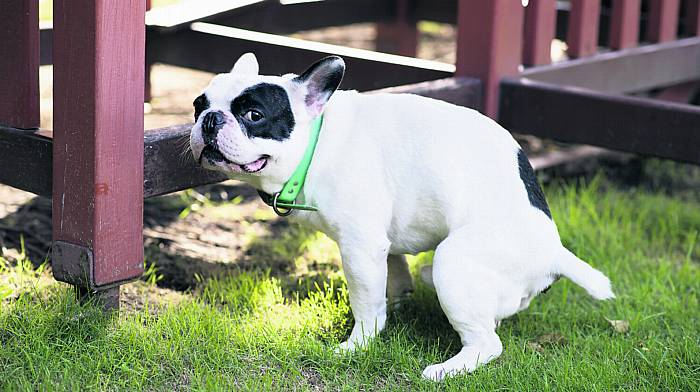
215, 158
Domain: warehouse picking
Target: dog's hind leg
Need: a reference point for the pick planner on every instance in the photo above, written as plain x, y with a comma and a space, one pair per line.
469, 299
399, 280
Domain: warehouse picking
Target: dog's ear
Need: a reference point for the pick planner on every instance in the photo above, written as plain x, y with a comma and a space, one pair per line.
247, 64
320, 81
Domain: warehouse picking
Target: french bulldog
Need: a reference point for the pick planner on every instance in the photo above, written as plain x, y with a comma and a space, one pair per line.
397, 174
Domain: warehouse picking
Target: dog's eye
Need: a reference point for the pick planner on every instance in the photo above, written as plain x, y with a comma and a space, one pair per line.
253, 115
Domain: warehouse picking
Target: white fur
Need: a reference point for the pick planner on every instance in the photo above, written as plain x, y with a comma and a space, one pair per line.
397, 174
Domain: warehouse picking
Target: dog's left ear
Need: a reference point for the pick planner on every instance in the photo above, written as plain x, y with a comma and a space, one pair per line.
247, 64
321, 80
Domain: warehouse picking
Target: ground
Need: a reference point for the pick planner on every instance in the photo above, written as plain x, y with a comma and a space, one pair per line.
236, 298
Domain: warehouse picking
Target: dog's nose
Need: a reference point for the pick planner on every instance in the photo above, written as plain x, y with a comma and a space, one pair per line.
212, 122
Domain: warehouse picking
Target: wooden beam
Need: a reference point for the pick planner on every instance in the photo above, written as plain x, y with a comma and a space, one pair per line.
631, 124
628, 70
214, 48
692, 17
399, 35
624, 29
274, 17
663, 20
25, 158
98, 141
489, 44
19, 66
540, 27
582, 37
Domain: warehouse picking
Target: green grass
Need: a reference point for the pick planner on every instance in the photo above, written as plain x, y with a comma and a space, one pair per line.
248, 331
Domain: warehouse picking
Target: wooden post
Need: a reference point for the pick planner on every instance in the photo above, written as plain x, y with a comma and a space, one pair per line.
624, 26
98, 144
582, 37
540, 27
149, 64
692, 17
663, 20
489, 44
399, 36
19, 65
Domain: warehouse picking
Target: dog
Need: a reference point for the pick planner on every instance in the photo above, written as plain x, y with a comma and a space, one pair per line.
396, 174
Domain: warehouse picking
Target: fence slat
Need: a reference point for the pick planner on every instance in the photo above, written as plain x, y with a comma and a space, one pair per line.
399, 36
540, 27
19, 65
692, 17
582, 37
489, 44
663, 20
624, 26
98, 140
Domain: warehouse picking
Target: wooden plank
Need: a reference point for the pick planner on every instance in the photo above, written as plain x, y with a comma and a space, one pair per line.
624, 29
628, 70
277, 18
168, 164
582, 37
399, 35
692, 17
458, 91
540, 26
489, 36
26, 160
638, 125
180, 15
19, 67
214, 48
98, 137
663, 20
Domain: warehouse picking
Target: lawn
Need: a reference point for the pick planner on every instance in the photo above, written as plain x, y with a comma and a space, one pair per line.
258, 330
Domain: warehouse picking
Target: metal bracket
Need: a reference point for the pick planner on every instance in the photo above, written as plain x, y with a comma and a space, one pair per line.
73, 264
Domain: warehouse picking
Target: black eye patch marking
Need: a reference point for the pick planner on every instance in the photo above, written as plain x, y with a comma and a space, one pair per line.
272, 102
534, 191
200, 104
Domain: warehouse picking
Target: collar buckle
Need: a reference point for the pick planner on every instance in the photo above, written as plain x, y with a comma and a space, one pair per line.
276, 208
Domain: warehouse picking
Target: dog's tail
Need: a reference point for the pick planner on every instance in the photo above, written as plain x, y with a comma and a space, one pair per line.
592, 280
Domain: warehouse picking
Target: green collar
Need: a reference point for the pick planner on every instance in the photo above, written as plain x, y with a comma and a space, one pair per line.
286, 198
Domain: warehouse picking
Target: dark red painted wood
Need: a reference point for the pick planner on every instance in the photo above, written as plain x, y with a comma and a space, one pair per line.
578, 115
19, 66
489, 44
692, 17
582, 37
540, 27
98, 132
663, 20
147, 85
399, 36
624, 25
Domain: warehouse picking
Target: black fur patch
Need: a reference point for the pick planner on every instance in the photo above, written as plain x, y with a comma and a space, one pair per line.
273, 103
534, 191
200, 104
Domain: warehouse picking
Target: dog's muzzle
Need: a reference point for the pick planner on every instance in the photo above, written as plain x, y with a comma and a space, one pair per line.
211, 124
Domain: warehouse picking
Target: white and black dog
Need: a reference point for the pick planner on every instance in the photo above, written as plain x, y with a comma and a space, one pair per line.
397, 174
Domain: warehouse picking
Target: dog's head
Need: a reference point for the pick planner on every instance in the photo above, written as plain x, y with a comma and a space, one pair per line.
252, 126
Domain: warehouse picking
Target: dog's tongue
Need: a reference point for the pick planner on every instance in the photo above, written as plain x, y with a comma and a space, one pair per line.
254, 166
